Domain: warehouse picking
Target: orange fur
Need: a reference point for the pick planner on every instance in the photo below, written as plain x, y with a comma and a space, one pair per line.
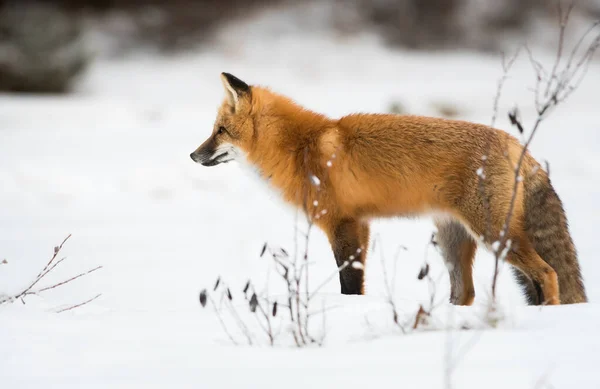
383, 165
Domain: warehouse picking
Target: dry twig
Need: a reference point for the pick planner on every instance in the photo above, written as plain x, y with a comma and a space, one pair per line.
51, 265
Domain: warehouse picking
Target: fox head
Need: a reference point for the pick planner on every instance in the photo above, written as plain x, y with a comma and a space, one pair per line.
233, 126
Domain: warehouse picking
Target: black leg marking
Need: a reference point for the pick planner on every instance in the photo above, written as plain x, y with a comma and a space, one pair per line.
348, 244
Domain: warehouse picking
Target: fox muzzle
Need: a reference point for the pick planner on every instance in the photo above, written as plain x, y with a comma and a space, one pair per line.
209, 155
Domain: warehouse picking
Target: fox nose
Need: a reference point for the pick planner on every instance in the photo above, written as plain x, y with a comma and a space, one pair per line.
193, 157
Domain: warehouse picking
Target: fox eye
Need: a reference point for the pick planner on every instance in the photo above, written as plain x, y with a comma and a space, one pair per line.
221, 130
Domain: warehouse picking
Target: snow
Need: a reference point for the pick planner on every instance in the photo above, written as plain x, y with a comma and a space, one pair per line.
110, 165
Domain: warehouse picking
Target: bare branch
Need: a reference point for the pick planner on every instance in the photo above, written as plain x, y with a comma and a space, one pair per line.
57, 250
47, 269
70, 279
220, 317
562, 22
506, 66
80, 304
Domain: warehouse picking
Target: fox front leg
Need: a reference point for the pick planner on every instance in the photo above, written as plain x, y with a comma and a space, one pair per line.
349, 239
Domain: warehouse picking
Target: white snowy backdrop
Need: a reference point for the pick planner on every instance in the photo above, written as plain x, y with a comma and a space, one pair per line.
110, 165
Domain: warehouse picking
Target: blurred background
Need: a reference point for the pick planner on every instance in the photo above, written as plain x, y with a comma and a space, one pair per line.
47, 46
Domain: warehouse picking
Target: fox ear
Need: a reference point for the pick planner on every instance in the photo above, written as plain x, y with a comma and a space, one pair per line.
234, 88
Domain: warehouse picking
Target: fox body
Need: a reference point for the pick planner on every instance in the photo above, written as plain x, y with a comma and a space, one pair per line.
345, 172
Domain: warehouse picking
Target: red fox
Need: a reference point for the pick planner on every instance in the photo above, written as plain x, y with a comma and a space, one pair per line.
365, 166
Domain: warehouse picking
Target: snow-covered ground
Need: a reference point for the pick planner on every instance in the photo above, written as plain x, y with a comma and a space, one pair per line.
110, 164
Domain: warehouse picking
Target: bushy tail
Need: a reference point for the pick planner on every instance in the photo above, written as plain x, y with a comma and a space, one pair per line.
547, 228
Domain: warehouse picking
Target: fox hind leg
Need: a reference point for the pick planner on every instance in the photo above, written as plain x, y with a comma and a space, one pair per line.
458, 249
532, 291
542, 275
